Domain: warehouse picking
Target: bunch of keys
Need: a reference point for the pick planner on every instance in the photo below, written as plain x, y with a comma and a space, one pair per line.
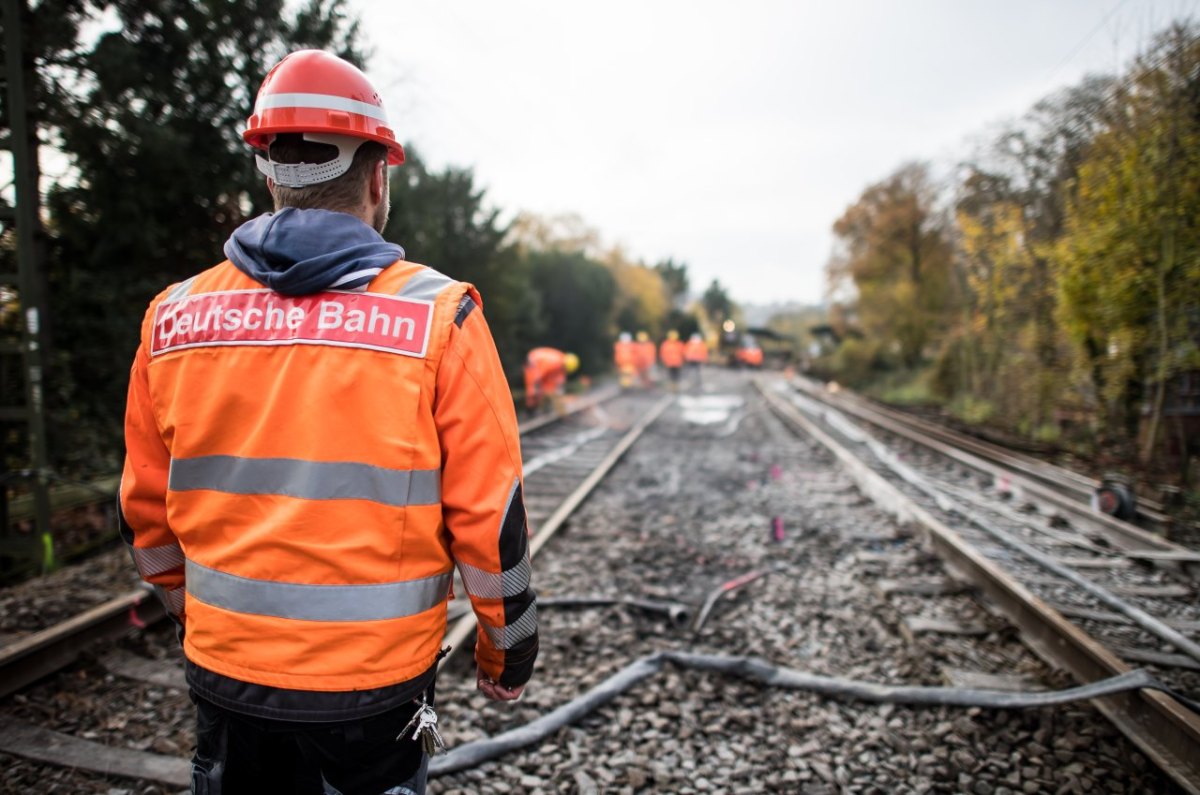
424, 726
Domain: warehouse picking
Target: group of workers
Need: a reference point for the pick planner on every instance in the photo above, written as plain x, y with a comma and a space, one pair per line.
547, 369
637, 358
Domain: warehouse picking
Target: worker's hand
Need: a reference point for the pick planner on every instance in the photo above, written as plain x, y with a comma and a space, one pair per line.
494, 690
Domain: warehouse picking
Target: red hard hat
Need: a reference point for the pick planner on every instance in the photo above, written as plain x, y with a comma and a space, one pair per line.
312, 91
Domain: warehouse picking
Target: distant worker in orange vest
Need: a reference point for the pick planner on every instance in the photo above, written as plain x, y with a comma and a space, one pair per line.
318, 432
670, 353
695, 353
644, 357
546, 371
749, 354
625, 359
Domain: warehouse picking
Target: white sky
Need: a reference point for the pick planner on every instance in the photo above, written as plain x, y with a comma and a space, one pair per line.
729, 135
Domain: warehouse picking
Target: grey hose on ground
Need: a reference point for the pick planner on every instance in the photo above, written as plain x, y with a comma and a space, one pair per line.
756, 669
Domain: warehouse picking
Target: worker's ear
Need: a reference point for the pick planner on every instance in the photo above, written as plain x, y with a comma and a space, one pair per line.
270, 185
379, 182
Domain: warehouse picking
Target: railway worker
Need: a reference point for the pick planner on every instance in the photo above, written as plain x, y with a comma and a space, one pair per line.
625, 359
670, 353
695, 354
749, 354
644, 358
317, 432
546, 371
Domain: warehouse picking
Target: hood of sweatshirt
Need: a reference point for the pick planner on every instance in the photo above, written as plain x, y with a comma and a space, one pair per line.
300, 252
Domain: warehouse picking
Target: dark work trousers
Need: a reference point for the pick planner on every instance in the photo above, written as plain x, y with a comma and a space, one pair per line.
237, 754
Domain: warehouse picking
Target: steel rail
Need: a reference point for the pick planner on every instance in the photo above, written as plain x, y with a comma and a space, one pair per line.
28, 659
1070, 483
1165, 730
464, 628
1131, 538
582, 404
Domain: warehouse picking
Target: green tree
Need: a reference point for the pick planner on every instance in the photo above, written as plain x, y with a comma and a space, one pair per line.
576, 295
642, 301
895, 250
1129, 261
674, 276
1010, 213
717, 303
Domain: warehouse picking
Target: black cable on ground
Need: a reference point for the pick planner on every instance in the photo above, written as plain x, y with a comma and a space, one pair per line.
756, 669
676, 612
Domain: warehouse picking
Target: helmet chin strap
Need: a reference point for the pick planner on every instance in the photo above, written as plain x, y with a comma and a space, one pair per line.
301, 175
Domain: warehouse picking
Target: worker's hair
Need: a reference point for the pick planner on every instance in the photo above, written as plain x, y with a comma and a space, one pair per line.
342, 194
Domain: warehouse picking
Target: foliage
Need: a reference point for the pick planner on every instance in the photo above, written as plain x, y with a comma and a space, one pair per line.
565, 232
584, 311
1062, 299
674, 277
148, 114
441, 220
576, 295
642, 300
1132, 288
717, 304
1010, 210
895, 250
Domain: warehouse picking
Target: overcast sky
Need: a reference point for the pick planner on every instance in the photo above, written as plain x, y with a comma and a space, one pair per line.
729, 135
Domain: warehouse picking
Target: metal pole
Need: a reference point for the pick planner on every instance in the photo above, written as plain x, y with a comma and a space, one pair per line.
25, 167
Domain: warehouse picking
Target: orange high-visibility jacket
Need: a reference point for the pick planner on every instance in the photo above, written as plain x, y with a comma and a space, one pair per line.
624, 355
644, 355
671, 353
695, 351
752, 357
302, 475
545, 372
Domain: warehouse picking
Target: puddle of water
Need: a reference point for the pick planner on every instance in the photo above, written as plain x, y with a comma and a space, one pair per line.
708, 409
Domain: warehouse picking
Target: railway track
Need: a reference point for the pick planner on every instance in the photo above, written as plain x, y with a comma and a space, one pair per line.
1058, 488
721, 533
565, 456
1079, 487
1085, 605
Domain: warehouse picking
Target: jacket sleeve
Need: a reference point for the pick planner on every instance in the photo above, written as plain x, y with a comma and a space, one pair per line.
142, 504
482, 503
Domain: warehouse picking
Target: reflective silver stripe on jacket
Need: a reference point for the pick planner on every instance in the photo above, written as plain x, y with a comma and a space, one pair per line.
306, 480
509, 636
172, 600
179, 291
425, 285
316, 602
155, 560
485, 585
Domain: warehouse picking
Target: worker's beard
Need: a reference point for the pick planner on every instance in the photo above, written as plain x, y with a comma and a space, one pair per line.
381, 212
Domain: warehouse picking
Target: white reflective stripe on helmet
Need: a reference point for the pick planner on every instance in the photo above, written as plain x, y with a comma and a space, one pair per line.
320, 101
300, 175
